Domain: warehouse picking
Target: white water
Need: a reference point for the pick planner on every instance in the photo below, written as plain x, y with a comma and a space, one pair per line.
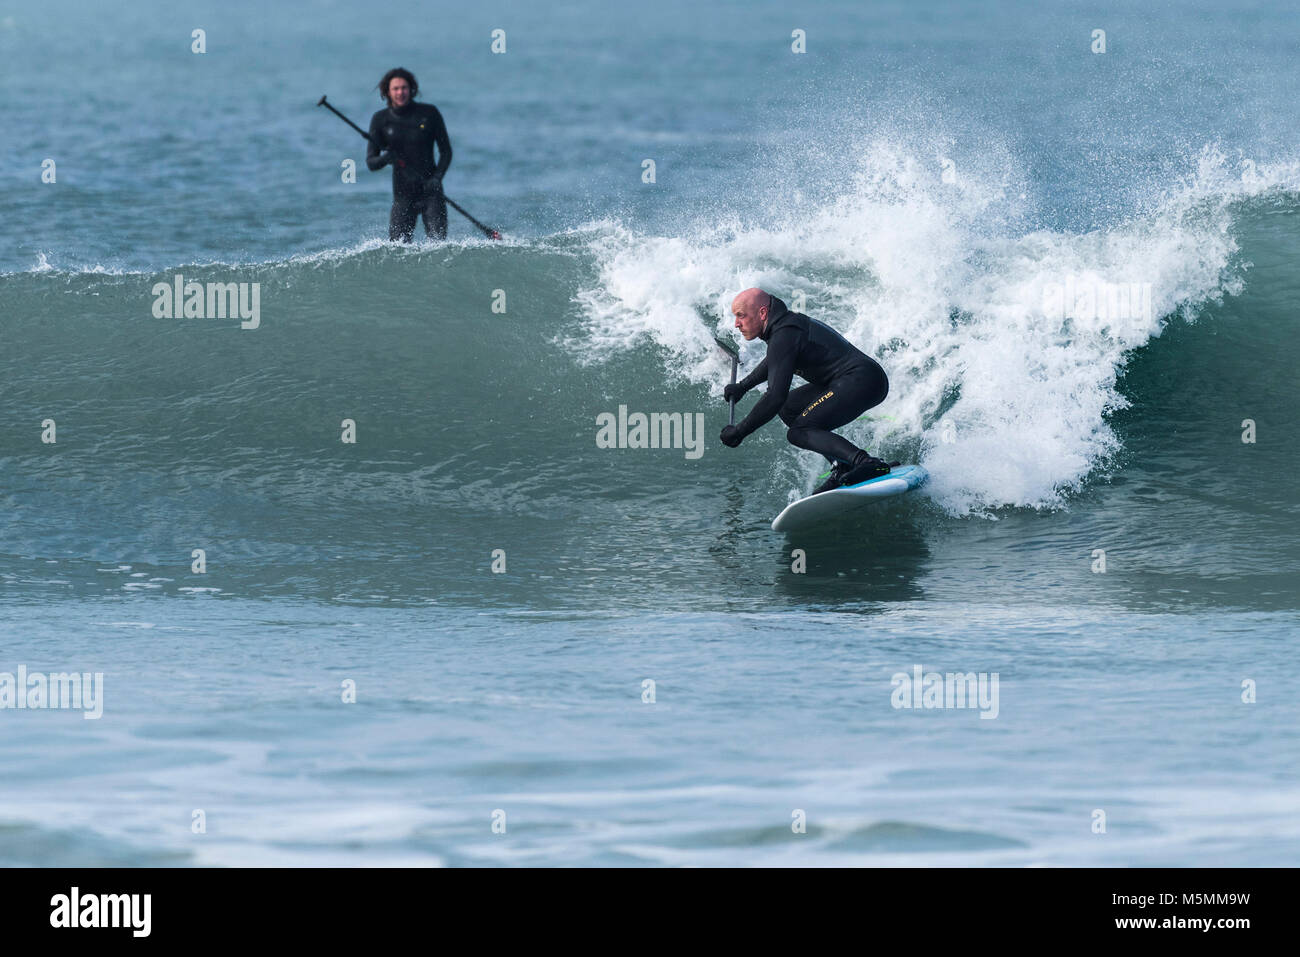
1006, 404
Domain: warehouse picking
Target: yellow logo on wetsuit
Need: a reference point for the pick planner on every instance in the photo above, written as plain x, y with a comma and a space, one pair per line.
815, 404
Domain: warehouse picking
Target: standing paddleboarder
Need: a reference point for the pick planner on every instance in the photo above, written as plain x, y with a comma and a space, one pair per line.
403, 136
843, 382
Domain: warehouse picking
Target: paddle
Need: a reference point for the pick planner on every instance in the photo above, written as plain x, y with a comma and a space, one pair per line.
488, 230
730, 351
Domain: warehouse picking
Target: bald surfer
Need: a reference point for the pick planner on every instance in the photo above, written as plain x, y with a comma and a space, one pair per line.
403, 136
843, 382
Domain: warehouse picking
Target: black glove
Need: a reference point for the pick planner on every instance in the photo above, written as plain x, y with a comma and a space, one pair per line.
733, 392
731, 436
433, 184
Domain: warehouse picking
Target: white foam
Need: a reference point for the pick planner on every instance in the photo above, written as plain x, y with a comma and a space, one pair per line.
326, 257
1021, 392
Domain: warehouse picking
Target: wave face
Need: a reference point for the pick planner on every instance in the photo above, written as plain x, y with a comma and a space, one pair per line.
1004, 349
477, 429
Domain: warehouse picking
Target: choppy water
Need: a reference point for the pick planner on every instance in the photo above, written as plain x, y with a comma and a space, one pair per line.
921, 182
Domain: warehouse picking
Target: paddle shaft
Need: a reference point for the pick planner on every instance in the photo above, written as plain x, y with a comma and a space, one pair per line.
730, 351
734, 362
491, 233
330, 106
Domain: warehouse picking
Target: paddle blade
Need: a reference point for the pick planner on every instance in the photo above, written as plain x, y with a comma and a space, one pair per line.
728, 348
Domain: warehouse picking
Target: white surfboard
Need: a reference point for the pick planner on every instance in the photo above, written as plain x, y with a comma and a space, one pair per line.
833, 504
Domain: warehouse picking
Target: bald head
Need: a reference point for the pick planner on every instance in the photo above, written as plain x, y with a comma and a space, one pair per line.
750, 309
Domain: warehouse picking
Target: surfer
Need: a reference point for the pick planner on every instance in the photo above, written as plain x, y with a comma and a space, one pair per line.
843, 382
406, 133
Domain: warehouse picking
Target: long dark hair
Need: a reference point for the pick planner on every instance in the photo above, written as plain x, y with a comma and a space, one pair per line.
405, 74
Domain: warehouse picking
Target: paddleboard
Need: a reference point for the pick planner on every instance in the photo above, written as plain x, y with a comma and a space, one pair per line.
834, 504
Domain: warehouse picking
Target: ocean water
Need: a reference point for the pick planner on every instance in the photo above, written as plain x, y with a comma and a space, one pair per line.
606, 652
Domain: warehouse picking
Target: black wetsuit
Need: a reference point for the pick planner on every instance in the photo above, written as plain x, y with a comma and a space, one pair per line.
843, 382
409, 135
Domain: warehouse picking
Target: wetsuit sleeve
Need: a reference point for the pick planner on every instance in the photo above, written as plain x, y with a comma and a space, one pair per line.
782, 351
444, 145
373, 160
754, 378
